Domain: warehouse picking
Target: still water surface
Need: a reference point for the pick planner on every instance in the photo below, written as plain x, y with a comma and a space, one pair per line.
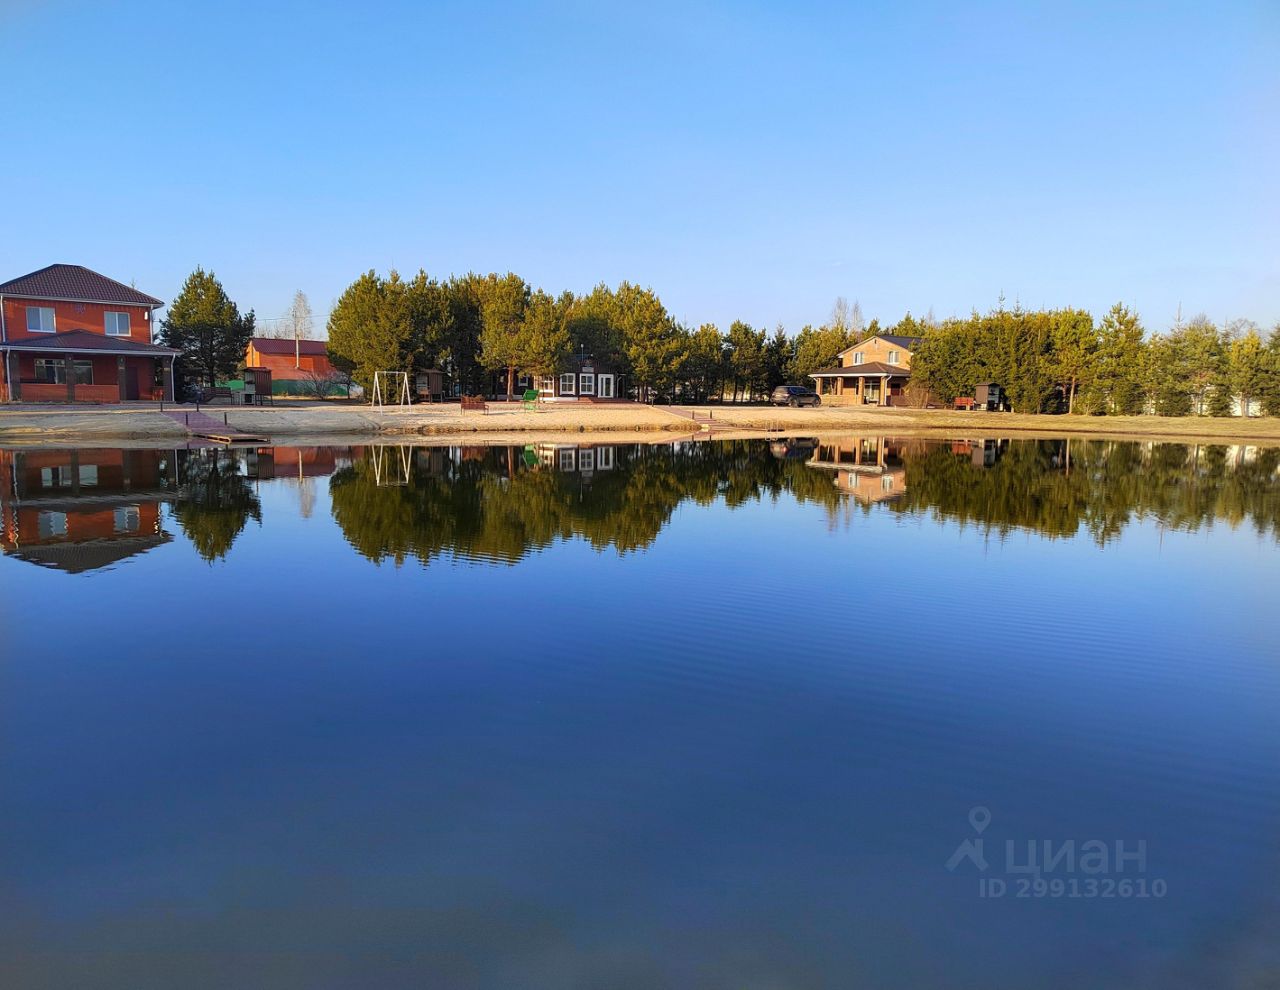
704, 715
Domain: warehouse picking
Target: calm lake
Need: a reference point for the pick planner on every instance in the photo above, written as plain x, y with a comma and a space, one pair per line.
867, 712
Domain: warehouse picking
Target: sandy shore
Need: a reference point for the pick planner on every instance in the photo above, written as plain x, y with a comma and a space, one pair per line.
338, 423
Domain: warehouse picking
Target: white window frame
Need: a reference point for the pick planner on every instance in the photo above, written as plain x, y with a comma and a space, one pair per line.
127, 519
568, 381
893, 357
547, 385
587, 383
586, 460
53, 319
858, 357
51, 525
568, 459
604, 458
601, 392
111, 319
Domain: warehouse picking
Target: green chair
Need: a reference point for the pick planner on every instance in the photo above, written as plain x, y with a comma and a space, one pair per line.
530, 400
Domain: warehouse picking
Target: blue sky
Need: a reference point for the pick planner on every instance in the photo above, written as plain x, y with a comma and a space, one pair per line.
747, 160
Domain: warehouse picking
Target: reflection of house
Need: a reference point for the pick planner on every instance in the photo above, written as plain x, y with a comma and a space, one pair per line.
68, 334
264, 463
872, 372
870, 469
584, 460
79, 510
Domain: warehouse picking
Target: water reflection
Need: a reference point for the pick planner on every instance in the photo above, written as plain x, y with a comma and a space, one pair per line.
81, 510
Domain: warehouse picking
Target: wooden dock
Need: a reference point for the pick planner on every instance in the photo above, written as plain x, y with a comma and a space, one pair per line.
204, 427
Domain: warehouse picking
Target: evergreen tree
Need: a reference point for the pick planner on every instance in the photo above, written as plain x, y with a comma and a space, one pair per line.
1117, 387
544, 333
746, 358
778, 353
371, 328
205, 324
650, 337
1246, 365
502, 306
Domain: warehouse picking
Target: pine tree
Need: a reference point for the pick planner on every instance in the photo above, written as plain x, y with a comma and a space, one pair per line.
208, 328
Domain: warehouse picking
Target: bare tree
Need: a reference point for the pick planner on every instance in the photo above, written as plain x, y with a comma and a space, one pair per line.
847, 318
299, 324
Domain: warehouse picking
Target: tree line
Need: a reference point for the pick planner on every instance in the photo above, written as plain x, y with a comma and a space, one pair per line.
1064, 361
477, 327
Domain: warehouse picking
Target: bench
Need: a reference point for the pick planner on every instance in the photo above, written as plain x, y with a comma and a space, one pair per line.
474, 403
966, 403
530, 400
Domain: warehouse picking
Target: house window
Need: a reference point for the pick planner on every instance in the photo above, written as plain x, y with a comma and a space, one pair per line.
117, 324
52, 524
857, 357
604, 458
586, 460
89, 475
40, 319
566, 460
524, 381
586, 384
128, 519
566, 383
548, 385
53, 371
893, 357
55, 477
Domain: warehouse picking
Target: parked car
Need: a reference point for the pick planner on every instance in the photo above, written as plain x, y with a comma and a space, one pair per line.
794, 395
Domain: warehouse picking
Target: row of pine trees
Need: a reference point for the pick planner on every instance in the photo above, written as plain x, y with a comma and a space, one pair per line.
473, 326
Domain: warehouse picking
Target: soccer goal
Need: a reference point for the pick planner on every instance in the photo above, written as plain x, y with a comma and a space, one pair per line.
391, 388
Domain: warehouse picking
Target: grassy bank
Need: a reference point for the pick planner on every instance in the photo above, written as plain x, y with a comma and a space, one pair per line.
330, 422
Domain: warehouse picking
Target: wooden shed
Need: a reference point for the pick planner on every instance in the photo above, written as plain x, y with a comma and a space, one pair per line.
989, 397
257, 386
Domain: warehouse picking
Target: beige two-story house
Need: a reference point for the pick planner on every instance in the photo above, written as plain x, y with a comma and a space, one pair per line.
872, 372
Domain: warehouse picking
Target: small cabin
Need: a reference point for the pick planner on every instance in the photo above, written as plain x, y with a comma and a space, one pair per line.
989, 397
428, 385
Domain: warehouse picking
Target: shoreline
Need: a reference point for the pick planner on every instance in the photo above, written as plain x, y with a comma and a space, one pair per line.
320, 424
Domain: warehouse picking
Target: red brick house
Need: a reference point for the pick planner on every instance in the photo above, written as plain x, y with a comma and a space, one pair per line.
68, 334
290, 361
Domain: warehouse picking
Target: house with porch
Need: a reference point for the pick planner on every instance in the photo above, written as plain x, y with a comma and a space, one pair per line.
873, 372
68, 334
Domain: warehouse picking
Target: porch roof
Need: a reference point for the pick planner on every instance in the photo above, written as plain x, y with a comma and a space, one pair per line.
82, 341
872, 369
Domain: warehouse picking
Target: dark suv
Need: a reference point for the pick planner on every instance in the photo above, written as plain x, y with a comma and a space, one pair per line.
794, 395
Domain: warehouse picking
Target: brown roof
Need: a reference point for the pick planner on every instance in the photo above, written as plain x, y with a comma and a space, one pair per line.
868, 368
75, 283
83, 340
906, 343
282, 345
76, 558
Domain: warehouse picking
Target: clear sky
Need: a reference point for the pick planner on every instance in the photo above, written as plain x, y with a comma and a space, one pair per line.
747, 160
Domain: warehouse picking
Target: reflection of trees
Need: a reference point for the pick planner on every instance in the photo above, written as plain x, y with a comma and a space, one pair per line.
214, 500
1056, 487
491, 505
496, 504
